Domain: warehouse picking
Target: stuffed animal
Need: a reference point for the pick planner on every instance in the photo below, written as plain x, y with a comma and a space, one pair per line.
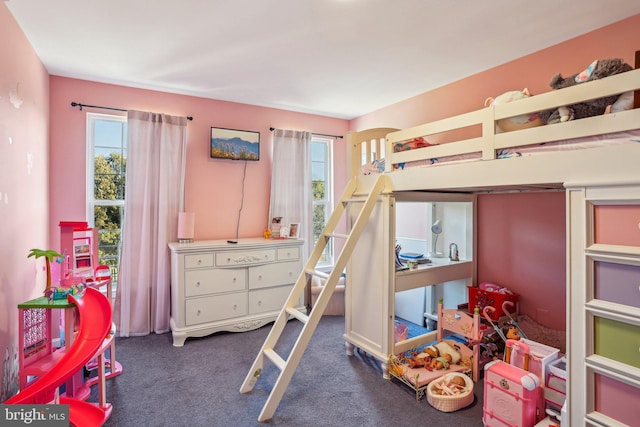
518, 122
598, 69
441, 362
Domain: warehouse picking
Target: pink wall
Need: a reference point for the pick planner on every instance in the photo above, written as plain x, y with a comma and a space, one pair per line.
24, 197
521, 245
213, 187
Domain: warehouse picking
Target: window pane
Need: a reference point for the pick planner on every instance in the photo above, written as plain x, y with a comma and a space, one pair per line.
108, 133
319, 219
321, 188
318, 151
318, 171
107, 167
318, 190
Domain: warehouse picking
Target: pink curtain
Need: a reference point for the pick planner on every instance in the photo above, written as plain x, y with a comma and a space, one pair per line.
154, 196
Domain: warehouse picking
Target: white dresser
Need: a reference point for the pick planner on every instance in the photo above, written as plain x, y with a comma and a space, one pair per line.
219, 286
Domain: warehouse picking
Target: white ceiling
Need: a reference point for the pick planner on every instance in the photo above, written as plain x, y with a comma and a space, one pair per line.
337, 58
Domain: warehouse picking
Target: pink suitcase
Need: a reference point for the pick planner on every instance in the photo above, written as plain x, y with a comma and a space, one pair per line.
512, 396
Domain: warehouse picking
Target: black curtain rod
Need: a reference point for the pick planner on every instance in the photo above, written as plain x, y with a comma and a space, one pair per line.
77, 104
317, 134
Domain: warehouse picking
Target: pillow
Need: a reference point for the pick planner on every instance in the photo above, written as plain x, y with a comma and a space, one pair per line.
445, 348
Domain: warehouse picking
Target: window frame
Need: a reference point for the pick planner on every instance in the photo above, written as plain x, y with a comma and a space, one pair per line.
91, 201
329, 192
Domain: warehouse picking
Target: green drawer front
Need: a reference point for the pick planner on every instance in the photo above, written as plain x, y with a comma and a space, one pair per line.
617, 341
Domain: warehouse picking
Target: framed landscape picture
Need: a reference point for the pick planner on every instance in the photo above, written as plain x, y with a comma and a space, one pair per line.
234, 144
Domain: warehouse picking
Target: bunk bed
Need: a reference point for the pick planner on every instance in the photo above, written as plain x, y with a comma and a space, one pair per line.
595, 160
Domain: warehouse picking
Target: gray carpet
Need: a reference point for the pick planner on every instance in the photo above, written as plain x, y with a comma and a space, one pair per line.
198, 385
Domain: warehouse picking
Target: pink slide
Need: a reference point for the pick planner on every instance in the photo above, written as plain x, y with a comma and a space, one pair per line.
95, 324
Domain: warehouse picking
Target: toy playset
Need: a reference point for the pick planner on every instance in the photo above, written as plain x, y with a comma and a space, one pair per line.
87, 330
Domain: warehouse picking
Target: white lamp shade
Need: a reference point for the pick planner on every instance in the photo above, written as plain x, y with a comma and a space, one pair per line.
436, 228
186, 225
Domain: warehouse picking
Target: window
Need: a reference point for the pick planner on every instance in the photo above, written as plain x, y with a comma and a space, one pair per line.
106, 171
322, 192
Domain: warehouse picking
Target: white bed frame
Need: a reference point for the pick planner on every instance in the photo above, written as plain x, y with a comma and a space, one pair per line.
369, 314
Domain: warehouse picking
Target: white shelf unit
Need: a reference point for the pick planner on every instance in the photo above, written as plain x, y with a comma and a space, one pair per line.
372, 279
603, 367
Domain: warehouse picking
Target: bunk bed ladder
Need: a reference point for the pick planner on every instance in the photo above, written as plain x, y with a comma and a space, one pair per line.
288, 366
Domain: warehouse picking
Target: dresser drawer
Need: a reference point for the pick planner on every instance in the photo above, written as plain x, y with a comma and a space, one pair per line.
617, 341
617, 225
281, 273
286, 254
618, 283
616, 400
214, 308
198, 261
237, 258
265, 300
210, 281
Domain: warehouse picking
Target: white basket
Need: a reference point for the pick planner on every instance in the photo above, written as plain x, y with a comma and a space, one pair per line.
451, 403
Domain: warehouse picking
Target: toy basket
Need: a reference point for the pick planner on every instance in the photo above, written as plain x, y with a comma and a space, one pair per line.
481, 298
450, 403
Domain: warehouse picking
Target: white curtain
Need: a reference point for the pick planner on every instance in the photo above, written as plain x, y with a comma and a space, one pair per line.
291, 182
154, 196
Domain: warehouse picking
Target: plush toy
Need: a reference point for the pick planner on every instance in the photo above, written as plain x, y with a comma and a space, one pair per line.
598, 69
518, 122
441, 362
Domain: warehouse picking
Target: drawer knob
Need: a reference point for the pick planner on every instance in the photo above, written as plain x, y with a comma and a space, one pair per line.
228, 260
199, 261
198, 313
197, 284
260, 277
234, 280
235, 306
259, 302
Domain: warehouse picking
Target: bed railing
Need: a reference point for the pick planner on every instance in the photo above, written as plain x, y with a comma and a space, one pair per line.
480, 125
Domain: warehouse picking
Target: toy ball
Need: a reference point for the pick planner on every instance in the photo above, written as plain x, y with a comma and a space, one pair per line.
517, 122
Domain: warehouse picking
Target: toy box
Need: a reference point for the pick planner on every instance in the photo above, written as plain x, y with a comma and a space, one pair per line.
481, 298
540, 357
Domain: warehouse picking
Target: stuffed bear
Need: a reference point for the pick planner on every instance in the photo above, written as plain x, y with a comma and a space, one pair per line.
596, 70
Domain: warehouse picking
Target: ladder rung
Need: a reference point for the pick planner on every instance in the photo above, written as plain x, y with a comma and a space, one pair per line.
297, 314
356, 199
317, 273
341, 236
275, 358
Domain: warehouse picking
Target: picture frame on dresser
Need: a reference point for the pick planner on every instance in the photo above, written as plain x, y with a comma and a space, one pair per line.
294, 230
